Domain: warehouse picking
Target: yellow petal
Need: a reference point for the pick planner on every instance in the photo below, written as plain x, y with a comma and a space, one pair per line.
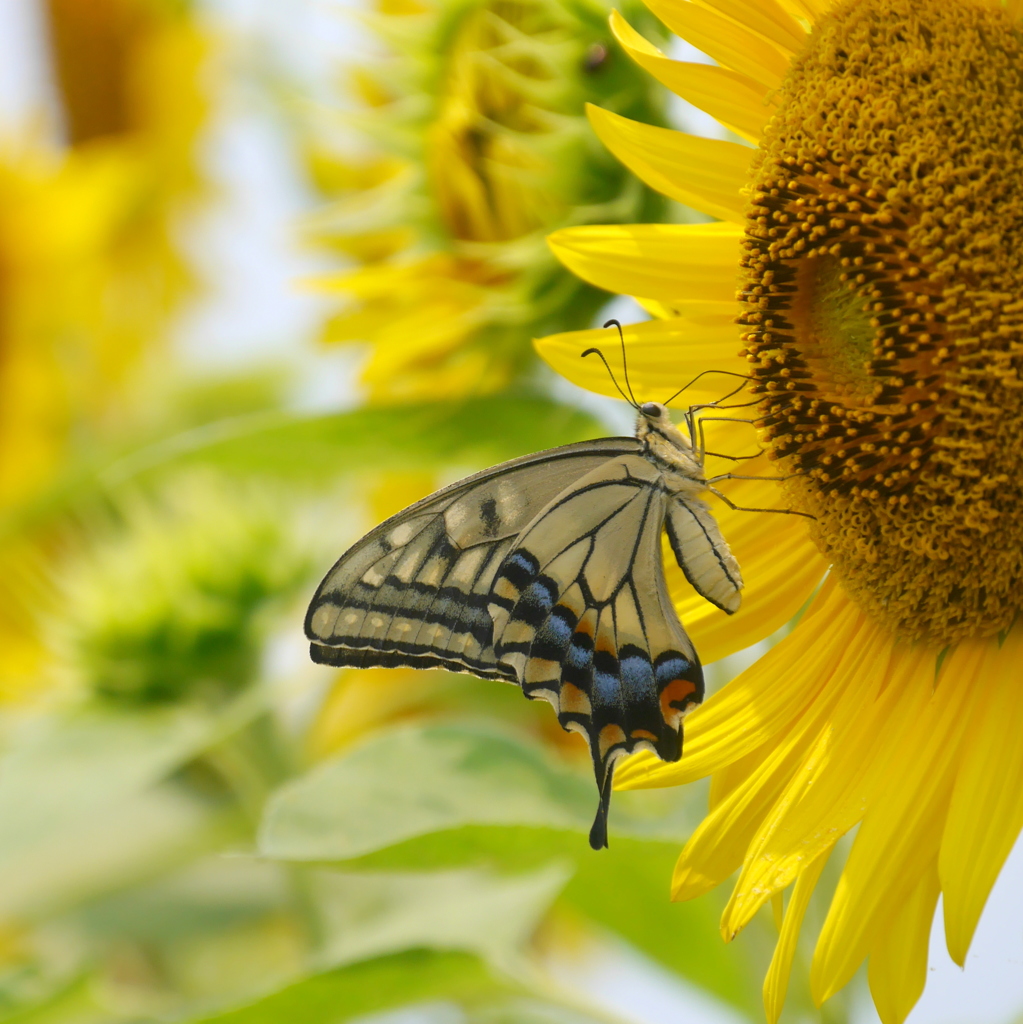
810, 10
776, 983
738, 102
898, 963
726, 780
706, 174
986, 813
767, 18
669, 262
757, 705
901, 831
658, 310
834, 787
718, 845
662, 355
729, 44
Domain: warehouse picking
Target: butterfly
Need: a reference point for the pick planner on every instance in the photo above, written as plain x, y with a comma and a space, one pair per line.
546, 572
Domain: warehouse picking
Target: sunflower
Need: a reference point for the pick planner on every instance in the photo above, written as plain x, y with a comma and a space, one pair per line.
473, 147
90, 273
873, 238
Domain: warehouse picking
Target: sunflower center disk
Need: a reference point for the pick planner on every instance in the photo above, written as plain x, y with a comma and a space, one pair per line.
884, 307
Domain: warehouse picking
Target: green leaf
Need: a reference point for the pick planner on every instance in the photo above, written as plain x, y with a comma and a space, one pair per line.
478, 431
415, 780
69, 767
439, 795
316, 449
404, 980
111, 847
368, 914
374, 985
627, 889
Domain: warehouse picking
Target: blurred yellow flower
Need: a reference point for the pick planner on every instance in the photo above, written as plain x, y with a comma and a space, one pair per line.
874, 236
90, 272
475, 146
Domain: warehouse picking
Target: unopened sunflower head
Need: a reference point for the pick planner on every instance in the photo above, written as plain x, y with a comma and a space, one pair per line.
476, 147
869, 249
90, 271
172, 601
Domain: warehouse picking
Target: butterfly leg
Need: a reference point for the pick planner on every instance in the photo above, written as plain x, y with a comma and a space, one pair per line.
701, 446
741, 508
732, 458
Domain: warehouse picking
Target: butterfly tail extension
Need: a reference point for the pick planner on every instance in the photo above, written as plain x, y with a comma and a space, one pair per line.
598, 830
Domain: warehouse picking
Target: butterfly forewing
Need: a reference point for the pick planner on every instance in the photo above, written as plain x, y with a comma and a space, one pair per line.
414, 592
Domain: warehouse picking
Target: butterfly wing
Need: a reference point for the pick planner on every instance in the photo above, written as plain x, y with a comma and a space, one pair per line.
414, 591
583, 618
702, 552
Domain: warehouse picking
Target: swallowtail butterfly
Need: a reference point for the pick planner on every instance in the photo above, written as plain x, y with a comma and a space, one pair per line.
546, 572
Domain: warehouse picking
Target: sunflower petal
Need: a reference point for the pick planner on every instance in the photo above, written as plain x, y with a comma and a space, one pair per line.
738, 102
898, 963
845, 675
767, 18
776, 984
831, 792
718, 845
765, 700
986, 813
810, 10
661, 354
707, 174
668, 262
729, 44
901, 831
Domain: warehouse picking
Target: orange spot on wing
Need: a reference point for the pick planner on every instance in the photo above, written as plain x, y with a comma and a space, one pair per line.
574, 701
673, 700
643, 734
610, 736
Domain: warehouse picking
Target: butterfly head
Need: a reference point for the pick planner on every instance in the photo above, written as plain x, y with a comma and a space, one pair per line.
660, 437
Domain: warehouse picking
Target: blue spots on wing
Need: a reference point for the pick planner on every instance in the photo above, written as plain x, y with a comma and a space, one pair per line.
672, 665
536, 602
637, 673
520, 568
554, 635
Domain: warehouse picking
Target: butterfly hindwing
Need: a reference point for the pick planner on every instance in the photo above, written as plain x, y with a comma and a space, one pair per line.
583, 618
415, 591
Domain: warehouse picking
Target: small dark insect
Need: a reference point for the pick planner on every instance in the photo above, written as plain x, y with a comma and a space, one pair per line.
596, 57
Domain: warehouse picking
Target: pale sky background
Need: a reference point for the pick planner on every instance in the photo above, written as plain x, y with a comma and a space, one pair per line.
246, 248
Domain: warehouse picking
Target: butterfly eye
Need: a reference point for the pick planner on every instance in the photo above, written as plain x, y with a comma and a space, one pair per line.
652, 409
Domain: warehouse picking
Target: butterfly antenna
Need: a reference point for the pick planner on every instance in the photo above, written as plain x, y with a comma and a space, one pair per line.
625, 362
729, 373
610, 372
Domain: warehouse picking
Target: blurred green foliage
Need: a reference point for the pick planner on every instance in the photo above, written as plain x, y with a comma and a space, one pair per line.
173, 844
